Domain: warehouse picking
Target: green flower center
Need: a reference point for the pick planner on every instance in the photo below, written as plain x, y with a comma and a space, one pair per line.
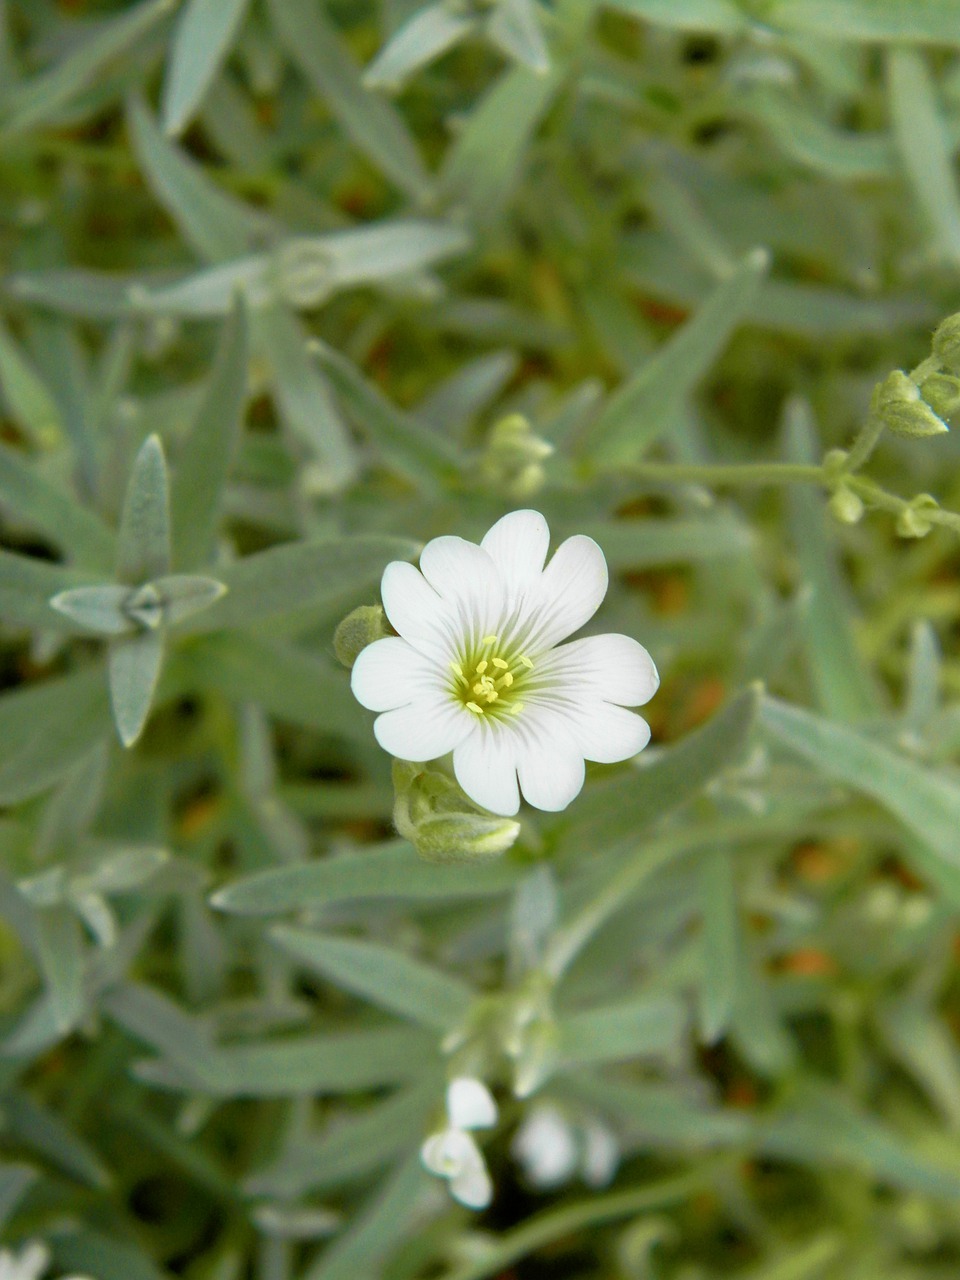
487, 680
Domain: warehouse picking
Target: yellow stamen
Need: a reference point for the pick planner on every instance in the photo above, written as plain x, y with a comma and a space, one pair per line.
472, 706
516, 708
505, 681
490, 640
457, 669
526, 662
499, 662
481, 666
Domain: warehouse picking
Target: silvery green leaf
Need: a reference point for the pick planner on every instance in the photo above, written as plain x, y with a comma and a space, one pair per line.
119, 871
364, 255
720, 943
648, 404
216, 225
41, 98
430, 32
917, 21
26, 587
922, 698
99, 609
626, 1029
514, 27
183, 594
205, 457
925, 147
62, 962
72, 807
318, 50
15, 1182
388, 871
389, 978
721, 16
201, 41
44, 1132
33, 407
133, 663
45, 507
143, 540
286, 1223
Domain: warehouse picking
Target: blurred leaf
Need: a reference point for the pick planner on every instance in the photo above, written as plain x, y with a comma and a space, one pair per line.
484, 161
647, 405
61, 958
204, 459
515, 29
26, 588
98, 609
617, 808
720, 944
411, 447
393, 870
639, 544
720, 16
890, 20
425, 36
42, 1130
15, 1182
143, 540
40, 100
843, 684
926, 150
33, 407
390, 979
317, 49
627, 1029
217, 226
182, 595
202, 38
42, 506
297, 575
134, 668
922, 694
928, 802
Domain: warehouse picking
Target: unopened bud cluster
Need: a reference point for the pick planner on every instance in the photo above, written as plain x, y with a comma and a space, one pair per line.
514, 457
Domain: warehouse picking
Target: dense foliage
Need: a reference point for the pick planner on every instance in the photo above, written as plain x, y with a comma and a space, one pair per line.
291, 287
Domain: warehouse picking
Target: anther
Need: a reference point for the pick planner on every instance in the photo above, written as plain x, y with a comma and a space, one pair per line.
457, 669
526, 662
481, 666
516, 708
499, 662
505, 681
490, 640
472, 706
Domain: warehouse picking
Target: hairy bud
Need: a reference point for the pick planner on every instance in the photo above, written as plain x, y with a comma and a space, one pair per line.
357, 630
897, 403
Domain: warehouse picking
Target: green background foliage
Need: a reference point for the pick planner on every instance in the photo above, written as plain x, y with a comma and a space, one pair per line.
275, 272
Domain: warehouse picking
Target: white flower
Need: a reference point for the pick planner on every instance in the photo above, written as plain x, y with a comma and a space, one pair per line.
452, 1153
478, 669
551, 1149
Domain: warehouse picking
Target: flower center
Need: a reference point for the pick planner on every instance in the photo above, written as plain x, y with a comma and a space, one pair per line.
488, 680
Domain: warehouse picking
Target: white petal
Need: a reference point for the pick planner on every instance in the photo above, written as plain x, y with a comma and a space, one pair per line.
550, 767
466, 579
425, 730
518, 544
470, 1104
546, 1147
450, 1151
601, 1155
606, 733
390, 673
612, 667
416, 611
472, 1187
485, 766
568, 594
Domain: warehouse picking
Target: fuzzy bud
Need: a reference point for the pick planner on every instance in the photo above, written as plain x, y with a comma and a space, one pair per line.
942, 393
440, 822
913, 521
946, 343
357, 630
846, 505
514, 457
896, 402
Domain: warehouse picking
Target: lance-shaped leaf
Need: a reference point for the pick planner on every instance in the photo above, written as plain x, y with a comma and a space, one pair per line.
204, 33
31, 403
100, 609
650, 402
426, 35
204, 461
143, 541
134, 668
515, 29
925, 801
176, 596
390, 979
41, 505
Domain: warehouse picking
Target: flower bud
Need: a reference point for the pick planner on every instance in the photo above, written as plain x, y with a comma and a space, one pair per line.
912, 522
846, 505
946, 343
440, 822
942, 393
514, 457
357, 630
896, 402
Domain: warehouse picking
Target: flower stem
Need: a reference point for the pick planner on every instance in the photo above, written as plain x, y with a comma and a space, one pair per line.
750, 474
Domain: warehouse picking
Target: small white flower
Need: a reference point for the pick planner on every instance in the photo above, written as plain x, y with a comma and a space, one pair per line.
551, 1149
452, 1153
478, 669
